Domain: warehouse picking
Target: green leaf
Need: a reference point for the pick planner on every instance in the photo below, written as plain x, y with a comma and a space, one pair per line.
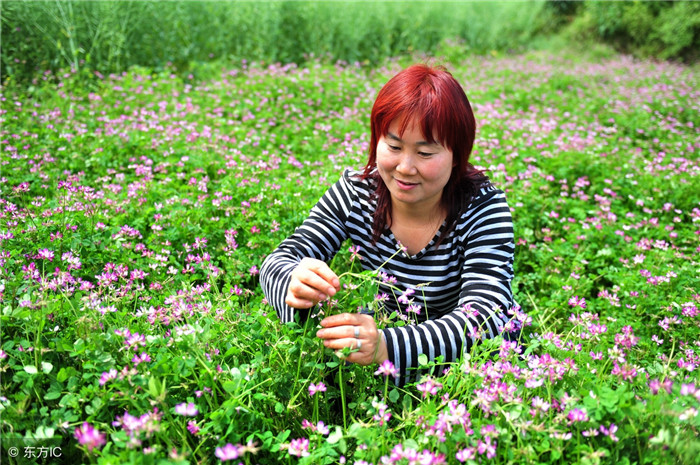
422, 360
230, 386
335, 436
51, 395
394, 395
31, 369
46, 367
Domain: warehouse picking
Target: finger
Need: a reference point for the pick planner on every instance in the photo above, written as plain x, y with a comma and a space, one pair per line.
324, 271
338, 332
301, 291
296, 302
352, 343
341, 319
315, 282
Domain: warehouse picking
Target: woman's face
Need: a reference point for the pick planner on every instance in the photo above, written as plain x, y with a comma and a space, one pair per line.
414, 170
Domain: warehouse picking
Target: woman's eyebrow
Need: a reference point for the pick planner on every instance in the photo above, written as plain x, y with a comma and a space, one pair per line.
398, 139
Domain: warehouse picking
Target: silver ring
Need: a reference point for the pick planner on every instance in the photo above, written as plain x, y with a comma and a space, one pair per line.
359, 344
357, 332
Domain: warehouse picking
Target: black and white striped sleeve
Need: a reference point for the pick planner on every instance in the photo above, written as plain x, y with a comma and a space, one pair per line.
486, 235
319, 237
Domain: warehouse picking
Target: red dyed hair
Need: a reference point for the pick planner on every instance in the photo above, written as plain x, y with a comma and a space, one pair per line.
436, 100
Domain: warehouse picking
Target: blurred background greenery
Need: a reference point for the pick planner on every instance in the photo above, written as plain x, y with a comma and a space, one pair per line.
111, 36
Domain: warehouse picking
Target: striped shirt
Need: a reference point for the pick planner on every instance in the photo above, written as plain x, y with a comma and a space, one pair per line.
462, 287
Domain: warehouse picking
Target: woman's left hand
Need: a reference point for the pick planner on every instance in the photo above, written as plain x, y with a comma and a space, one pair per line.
356, 331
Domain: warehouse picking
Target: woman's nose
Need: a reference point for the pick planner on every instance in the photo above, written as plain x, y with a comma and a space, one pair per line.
406, 165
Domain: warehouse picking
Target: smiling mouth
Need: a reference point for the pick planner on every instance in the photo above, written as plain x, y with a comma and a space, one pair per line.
404, 183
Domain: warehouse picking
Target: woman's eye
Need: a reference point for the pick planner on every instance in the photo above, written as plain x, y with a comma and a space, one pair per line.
425, 154
394, 148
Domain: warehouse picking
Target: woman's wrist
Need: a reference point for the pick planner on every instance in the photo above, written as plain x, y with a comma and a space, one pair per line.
382, 351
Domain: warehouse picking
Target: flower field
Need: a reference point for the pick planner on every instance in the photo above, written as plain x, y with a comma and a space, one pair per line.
137, 210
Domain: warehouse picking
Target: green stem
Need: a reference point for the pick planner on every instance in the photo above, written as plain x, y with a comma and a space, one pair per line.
301, 350
342, 394
315, 415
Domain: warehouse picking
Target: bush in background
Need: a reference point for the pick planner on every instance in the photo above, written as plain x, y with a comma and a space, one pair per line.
111, 36
665, 30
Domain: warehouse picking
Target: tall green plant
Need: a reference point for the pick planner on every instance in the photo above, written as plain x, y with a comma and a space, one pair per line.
110, 36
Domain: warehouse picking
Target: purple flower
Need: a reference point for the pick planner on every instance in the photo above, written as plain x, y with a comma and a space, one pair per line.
355, 251
137, 359
429, 387
45, 254
299, 447
610, 432
319, 427
90, 437
387, 369
413, 308
228, 452
322, 428
192, 427
404, 298
314, 388
466, 454
383, 414
626, 371
688, 389
577, 415
188, 410
108, 376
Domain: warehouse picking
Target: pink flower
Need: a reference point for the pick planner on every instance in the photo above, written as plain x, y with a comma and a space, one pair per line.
413, 308
299, 447
387, 369
319, 427
466, 454
108, 376
90, 437
187, 410
192, 427
577, 415
610, 432
314, 388
429, 387
577, 301
404, 298
228, 452
355, 251
626, 371
45, 254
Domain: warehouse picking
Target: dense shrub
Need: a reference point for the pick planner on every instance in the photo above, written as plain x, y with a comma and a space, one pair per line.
110, 36
666, 30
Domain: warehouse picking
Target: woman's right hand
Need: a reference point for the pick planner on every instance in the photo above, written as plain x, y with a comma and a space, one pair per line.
312, 281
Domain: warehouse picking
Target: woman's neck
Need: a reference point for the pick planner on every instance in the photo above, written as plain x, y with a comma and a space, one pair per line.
411, 215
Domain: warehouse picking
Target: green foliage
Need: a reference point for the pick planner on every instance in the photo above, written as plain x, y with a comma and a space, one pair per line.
111, 36
666, 30
136, 209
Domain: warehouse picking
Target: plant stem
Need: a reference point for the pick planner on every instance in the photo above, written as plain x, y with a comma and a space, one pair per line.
342, 395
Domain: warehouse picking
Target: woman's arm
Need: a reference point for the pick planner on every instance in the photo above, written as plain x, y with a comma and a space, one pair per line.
292, 277
486, 233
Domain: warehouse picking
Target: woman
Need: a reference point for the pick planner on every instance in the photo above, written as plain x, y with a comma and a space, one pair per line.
418, 192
